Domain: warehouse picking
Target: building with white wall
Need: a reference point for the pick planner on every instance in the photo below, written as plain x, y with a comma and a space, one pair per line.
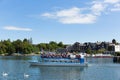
117, 48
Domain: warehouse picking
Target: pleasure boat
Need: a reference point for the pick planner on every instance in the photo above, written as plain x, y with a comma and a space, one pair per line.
60, 60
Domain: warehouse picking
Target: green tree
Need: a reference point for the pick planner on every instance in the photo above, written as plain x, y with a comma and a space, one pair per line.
101, 50
36, 49
114, 41
53, 45
2, 48
9, 46
18, 46
42, 46
27, 48
60, 45
89, 51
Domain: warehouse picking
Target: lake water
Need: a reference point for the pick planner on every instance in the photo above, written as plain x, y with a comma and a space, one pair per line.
98, 69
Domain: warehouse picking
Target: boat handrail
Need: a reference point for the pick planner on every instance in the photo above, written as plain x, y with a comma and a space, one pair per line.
60, 56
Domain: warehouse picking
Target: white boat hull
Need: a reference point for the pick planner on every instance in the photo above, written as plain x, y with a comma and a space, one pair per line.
59, 64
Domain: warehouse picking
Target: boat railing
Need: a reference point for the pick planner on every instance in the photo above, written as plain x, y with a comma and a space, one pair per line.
62, 58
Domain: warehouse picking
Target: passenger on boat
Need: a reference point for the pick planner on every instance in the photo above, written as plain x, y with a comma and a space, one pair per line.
82, 58
69, 56
72, 56
78, 56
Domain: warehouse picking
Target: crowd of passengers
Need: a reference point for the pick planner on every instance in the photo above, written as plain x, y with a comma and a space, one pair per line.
59, 55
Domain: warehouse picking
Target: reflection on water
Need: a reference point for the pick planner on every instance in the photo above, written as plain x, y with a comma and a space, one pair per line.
15, 67
61, 73
99, 69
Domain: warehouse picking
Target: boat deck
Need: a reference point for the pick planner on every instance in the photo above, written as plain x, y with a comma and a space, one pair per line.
58, 64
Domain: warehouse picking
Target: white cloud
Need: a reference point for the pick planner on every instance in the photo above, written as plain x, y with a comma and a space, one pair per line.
80, 19
71, 16
98, 8
68, 12
116, 7
47, 15
106, 6
85, 15
111, 1
16, 28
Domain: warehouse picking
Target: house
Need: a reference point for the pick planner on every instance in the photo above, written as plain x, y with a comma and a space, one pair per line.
117, 48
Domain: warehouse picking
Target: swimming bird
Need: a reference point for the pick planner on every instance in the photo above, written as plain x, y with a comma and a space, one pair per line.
4, 74
26, 75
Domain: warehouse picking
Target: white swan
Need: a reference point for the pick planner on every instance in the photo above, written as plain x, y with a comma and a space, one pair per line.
26, 75
4, 74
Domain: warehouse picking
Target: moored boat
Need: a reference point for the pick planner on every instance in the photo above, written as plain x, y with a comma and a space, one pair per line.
103, 56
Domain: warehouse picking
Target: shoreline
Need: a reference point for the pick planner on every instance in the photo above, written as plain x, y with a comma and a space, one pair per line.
18, 54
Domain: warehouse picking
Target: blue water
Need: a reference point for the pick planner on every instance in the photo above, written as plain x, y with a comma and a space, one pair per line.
98, 69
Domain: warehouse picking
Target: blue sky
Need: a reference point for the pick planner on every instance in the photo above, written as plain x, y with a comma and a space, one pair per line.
60, 20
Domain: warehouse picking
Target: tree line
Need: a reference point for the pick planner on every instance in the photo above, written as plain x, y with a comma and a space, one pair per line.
25, 46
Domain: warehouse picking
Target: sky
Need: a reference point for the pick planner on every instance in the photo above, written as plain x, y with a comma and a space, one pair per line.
68, 21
